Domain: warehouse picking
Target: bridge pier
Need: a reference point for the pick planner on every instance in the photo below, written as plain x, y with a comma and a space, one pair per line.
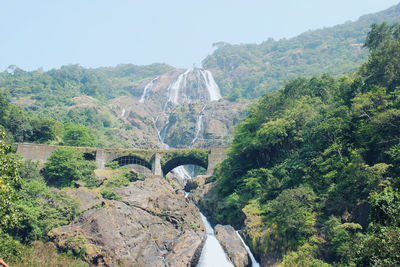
156, 165
216, 155
100, 158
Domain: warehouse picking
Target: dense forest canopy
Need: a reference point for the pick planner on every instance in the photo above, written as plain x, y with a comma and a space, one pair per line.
312, 160
249, 70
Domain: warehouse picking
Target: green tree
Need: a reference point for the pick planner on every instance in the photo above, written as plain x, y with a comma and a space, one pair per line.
293, 213
383, 65
65, 165
9, 178
381, 244
78, 135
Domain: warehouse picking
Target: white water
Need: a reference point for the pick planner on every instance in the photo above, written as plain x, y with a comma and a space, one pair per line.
213, 254
254, 263
212, 86
199, 123
146, 88
181, 172
174, 87
123, 113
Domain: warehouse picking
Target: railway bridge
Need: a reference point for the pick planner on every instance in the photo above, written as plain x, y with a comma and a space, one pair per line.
160, 162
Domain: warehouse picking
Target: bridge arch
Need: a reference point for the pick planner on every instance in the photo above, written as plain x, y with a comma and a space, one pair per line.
132, 159
89, 156
184, 159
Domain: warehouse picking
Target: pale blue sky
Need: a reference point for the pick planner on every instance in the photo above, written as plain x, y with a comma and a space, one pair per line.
93, 33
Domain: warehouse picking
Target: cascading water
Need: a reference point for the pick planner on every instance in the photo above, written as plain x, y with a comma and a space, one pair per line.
212, 86
254, 263
174, 88
146, 88
199, 123
212, 254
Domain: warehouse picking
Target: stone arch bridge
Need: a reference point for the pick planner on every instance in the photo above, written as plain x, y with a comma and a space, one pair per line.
160, 162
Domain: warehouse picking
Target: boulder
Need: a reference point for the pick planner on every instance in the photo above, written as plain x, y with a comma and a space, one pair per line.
232, 245
152, 225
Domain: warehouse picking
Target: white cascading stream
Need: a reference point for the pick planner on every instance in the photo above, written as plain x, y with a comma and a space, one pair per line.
212, 87
146, 88
199, 124
176, 86
254, 263
212, 253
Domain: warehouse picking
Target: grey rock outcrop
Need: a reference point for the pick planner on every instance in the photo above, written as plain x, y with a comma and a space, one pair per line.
86, 197
152, 225
232, 245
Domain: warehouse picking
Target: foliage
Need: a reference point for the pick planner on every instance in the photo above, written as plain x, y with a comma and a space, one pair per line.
113, 165
121, 178
382, 242
308, 158
9, 179
250, 70
41, 208
22, 127
108, 193
71, 94
304, 256
65, 165
78, 135
36, 255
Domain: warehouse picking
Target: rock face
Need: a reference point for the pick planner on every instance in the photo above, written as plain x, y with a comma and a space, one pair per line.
232, 245
179, 107
86, 197
152, 225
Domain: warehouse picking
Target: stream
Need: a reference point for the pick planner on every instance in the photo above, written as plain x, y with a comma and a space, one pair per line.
212, 253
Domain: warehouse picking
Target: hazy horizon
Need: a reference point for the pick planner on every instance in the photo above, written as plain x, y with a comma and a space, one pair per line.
48, 34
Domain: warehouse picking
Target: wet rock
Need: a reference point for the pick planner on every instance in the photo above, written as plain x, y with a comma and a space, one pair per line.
232, 245
151, 226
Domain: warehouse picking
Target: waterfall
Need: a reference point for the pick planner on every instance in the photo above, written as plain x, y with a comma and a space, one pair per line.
176, 90
254, 263
213, 254
123, 113
212, 86
146, 88
199, 123
174, 87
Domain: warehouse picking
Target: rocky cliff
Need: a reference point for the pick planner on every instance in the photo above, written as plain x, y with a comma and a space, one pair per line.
152, 224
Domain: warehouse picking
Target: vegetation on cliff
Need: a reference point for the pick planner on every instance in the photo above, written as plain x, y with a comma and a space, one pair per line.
249, 70
312, 160
71, 94
28, 210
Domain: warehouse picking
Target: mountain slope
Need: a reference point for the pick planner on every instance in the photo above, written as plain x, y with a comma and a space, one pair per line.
249, 70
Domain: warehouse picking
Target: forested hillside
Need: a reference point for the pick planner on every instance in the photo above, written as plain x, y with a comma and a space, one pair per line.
72, 94
21, 126
313, 171
249, 70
